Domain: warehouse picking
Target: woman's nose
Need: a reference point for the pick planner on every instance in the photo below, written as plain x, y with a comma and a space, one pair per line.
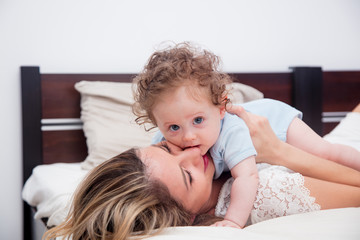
191, 156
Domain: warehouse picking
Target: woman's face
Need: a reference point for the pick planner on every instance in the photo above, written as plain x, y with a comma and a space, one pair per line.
187, 174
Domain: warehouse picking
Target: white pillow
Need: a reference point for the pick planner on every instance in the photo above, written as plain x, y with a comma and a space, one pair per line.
241, 93
109, 124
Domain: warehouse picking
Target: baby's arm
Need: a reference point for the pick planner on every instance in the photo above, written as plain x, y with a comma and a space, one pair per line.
243, 193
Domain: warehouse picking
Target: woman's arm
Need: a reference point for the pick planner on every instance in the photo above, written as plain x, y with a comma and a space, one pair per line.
273, 151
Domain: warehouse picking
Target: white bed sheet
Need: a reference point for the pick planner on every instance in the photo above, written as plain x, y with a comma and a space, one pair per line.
50, 188
325, 224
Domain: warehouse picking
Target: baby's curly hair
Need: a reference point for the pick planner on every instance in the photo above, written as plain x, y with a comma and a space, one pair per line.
177, 66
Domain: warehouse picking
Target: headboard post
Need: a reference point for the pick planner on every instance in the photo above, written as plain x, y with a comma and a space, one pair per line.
31, 119
307, 95
32, 138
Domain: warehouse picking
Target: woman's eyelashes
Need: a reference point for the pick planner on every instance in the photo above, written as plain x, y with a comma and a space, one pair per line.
190, 177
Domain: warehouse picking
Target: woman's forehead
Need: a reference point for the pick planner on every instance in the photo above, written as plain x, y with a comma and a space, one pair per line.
153, 155
159, 165
145, 153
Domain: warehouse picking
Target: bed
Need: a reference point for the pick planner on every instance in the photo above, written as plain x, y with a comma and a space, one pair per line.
68, 128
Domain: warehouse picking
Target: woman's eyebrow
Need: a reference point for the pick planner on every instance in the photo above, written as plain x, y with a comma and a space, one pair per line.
161, 147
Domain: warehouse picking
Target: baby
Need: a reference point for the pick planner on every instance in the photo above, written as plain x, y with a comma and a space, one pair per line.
182, 92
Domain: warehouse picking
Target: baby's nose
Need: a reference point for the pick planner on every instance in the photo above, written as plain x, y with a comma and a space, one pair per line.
189, 136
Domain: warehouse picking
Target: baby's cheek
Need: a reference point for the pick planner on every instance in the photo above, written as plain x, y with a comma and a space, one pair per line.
174, 140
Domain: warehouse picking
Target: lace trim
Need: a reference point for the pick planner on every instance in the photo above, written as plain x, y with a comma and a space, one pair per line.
224, 199
280, 193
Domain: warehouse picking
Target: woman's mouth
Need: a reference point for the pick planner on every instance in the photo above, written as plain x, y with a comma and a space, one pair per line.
206, 161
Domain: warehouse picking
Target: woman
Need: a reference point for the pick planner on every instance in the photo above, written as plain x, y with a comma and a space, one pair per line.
136, 192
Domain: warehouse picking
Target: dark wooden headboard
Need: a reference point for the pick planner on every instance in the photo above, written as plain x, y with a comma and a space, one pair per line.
50, 103
52, 130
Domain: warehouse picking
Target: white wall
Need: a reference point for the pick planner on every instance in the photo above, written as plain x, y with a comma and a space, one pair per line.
118, 36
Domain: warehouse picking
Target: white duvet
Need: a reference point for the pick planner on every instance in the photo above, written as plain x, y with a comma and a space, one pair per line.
50, 189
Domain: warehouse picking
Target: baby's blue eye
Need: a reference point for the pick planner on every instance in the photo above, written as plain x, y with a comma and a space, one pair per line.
174, 128
198, 120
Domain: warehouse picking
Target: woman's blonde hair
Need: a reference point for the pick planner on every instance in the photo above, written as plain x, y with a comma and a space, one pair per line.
117, 200
177, 66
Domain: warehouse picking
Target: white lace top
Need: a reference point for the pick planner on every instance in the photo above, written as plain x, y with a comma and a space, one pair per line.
281, 192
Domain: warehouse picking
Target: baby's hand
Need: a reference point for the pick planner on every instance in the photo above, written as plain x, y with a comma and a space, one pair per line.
225, 223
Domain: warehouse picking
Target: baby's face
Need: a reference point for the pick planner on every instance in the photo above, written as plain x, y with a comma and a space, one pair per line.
188, 121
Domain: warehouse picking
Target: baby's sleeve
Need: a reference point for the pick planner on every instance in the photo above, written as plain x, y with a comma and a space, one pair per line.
158, 137
238, 146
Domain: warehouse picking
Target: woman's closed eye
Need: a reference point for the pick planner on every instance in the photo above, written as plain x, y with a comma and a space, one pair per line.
198, 120
189, 175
